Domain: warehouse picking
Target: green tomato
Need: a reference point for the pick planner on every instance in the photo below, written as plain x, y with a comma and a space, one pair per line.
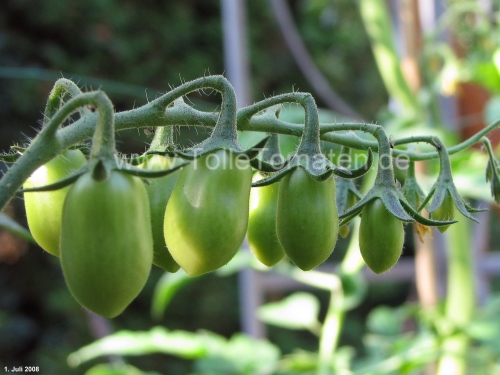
261, 233
344, 231
106, 241
307, 220
159, 192
44, 209
445, 212
207, 215
381, 236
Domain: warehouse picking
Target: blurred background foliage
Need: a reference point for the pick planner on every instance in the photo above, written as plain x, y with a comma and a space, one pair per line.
151, 46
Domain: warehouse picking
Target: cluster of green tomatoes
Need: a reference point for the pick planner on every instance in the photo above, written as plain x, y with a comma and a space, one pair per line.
109, 228
109, 219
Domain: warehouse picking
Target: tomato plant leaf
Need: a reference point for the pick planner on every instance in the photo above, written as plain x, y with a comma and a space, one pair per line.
297, 311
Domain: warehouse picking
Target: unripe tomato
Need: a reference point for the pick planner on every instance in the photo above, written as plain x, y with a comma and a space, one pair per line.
307, 220
207, 215
344, 231
106, 241
445, 212
159, 192
381, 236
44, 209
261, 233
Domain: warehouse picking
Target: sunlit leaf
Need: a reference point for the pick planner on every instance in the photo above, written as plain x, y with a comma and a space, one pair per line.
298, 311
214, 354
484, 330
316, 279
157, 340
241, 355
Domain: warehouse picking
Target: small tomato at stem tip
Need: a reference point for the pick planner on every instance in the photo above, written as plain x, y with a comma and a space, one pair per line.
445, 212
381, 236
344, 231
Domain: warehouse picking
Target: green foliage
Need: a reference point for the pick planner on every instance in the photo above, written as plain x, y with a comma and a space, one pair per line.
183, 344
334, 33
297, 311
140, 39
213, 353
103, 369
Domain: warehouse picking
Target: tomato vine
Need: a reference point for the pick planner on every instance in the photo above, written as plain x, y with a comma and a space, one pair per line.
202, 224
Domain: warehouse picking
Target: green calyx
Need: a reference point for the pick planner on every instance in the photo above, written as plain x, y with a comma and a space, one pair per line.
492, 175
347, 194
268, 164
411, 190
444, 186
308, 154
385, 188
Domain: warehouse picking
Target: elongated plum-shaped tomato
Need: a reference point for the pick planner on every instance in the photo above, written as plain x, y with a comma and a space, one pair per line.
207, 215
159, 192
106, 241
307, 220
381, 236
44, 209
261, 233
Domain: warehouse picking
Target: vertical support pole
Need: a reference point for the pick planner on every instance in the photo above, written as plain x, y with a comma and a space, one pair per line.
237, 72
235, 48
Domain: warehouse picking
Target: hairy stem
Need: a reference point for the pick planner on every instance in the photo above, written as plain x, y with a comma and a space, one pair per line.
47, 144
62, 87
158, 113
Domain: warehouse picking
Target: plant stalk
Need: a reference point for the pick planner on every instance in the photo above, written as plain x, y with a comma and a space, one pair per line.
377, 21
460, 298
